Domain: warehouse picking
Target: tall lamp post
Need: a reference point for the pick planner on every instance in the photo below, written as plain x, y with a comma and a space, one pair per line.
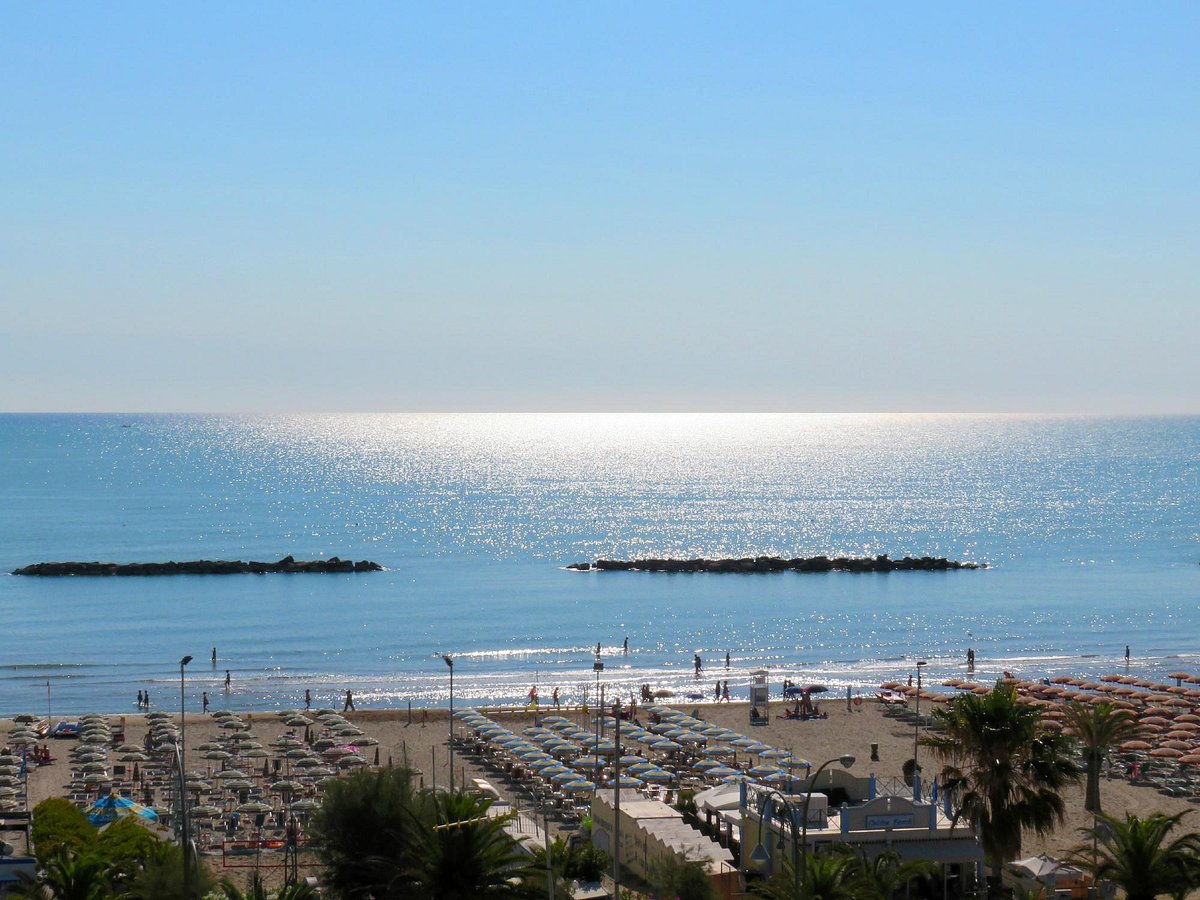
449, 662
847, 761
183, 814
761, 854
921, 664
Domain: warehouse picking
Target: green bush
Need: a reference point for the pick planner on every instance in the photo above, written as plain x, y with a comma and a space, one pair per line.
57, 823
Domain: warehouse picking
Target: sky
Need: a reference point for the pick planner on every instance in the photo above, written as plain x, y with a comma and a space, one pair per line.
277, 207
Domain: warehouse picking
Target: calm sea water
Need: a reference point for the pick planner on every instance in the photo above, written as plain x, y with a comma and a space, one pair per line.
1091, 526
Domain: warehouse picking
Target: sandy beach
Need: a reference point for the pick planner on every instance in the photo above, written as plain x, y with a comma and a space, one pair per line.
421, 741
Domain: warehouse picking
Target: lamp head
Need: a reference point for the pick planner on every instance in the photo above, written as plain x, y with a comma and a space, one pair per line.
447, 660
185, 661
847, 761
921, 662
760, 854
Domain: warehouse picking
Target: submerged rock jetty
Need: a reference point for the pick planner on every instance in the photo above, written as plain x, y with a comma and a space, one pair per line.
882, 563
287, 565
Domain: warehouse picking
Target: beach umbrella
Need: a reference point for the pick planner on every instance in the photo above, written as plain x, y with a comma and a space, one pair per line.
656, 775
795, 762
666, 745
590, 762
204, 811
564, 777
257, 753
351, 762
744, 742
114, 806
739, 777
721, 772
306, 805
96, 778
774, 754
649, 738
779, 778
218, 755
1136, 745
1166, 753
298, 722
705, 764
541, 765
718, 751
239, 784
134, 757
629, 760
307, 762
284, 786
763, 770
642, 765
228, 774
626, 781
579, 786
254, 808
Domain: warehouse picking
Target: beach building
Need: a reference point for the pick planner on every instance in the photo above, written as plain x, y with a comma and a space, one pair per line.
651, 832
852, 810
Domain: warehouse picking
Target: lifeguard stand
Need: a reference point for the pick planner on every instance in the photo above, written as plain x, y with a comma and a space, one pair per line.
760, 712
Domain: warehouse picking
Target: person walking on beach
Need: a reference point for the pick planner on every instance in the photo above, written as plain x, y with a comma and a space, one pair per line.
717, 693
725, 691
533, 696
727, 659
348, 706
554, 697
307, 699
204, 701
625, 646
228, 680
970, 659
696, 662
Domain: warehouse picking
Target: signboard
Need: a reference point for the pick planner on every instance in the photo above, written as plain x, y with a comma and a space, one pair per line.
896, 820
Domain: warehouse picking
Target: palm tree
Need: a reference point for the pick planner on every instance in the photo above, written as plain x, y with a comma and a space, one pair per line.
365, 833
882, 877
825, 878
1098, 729
71, 877
1131, 854
1003, 768
465, 853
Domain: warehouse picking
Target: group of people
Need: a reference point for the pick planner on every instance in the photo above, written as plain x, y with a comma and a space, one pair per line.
721, 692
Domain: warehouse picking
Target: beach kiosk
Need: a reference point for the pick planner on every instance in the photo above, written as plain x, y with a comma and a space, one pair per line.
760, 713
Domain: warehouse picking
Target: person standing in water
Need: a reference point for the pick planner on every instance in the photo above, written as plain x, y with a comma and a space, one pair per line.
228, 680
348, 706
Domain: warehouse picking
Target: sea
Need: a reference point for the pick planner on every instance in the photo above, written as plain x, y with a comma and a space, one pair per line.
1090, 529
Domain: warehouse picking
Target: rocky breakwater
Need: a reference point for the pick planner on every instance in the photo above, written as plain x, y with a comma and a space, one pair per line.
882, 563
287, 565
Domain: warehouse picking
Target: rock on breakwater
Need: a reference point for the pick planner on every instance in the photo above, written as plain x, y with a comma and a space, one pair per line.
881, 563
287, 565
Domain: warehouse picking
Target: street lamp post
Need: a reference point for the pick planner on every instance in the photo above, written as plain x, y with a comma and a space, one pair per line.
183, 814
449, 662
761, 854
921, 664
847, 761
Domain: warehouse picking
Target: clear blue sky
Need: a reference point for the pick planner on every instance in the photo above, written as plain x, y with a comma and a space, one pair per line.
932, 206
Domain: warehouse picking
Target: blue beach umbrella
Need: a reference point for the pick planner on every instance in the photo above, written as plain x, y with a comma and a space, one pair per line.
114, 806
579, 786
721, 772
564, 777
666, 745
656, 775
627, 781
